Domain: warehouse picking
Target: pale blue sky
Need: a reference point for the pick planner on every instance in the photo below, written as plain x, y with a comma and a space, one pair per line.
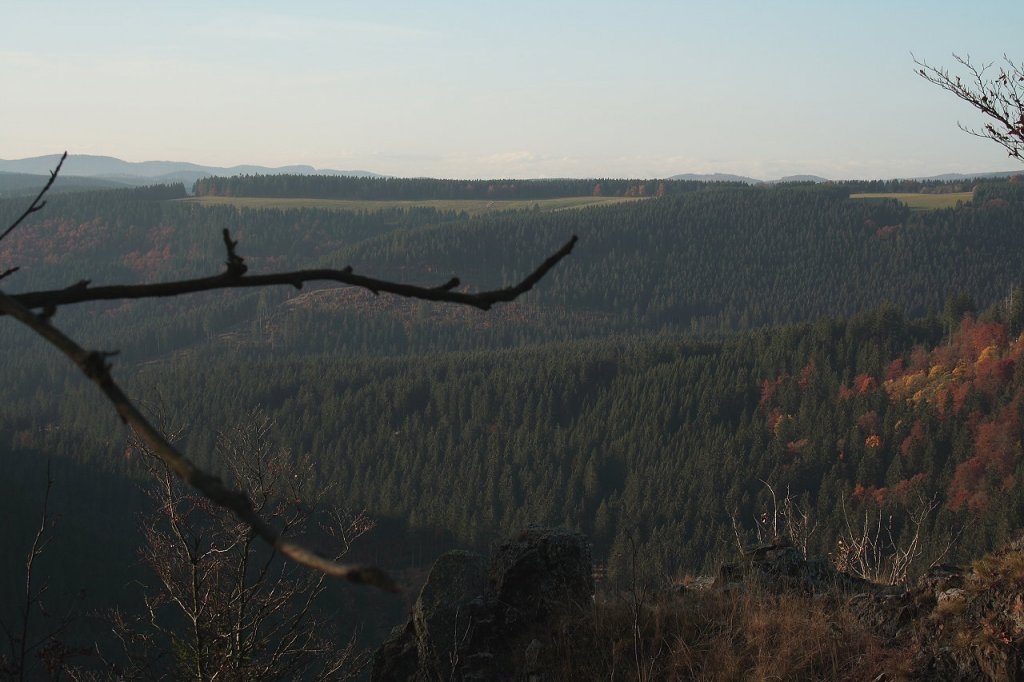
512, 89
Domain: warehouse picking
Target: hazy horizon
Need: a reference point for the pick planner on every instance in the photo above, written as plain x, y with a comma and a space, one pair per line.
70, 170
455, 89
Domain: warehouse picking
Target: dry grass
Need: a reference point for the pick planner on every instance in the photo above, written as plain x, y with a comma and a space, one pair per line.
741, 634
1001, 569
750, 632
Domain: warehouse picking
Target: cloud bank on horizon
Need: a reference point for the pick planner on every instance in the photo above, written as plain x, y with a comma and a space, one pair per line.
460, 89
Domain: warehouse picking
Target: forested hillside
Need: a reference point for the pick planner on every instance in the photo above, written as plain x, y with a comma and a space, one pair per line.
708, 262
659, 437
697, 351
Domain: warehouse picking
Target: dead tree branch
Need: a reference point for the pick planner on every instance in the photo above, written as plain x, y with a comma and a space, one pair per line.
38, 203
94, 365
39, 634
39, 543
877, 552
1000, 96
235, 277
247, 614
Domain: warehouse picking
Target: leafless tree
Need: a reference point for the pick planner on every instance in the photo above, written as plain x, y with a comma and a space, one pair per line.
876, 550
36, 309
996, 91
787, 521
36, 639
226, 608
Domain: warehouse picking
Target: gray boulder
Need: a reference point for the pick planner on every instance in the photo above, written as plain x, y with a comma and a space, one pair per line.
495, 619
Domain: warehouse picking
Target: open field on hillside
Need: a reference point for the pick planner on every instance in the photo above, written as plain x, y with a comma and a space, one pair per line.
471, 206
921, 202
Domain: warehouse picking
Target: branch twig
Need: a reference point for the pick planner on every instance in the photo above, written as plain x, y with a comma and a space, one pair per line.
94, 363
37, 203
999, 96
484, 300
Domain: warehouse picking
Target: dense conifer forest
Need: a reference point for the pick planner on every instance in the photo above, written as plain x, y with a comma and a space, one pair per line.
701, 349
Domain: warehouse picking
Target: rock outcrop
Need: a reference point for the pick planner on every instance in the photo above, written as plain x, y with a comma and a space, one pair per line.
780, 567
970, 625
513, 615
953, 624
493, 619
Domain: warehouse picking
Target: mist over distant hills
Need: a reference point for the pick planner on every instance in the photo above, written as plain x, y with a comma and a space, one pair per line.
949, 177
152, 172
85, 171
800, 178
727, 177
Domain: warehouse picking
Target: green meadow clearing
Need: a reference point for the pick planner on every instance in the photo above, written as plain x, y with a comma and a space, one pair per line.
921, 202
470, 206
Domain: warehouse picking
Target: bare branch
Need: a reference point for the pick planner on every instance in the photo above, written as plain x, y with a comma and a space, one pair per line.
1000, 96
93, 364
248, 615
33, 595
877, 552
37, 203
235, 278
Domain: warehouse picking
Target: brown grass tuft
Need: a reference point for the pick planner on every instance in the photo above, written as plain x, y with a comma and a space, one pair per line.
738, 634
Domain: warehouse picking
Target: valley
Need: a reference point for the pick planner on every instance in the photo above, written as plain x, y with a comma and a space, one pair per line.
700, 356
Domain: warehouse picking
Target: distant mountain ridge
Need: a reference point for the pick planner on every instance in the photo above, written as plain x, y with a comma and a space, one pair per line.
153, 172
118, 172
21, 184
728, 177
799, 178
947, 177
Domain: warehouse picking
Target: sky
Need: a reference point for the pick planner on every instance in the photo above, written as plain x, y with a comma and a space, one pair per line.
488, 89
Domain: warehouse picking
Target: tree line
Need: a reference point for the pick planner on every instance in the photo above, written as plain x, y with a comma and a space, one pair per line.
410, 189
710, 262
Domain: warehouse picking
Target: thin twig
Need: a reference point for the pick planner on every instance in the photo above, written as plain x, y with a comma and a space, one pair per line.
37, 203
38, 544
999, 96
